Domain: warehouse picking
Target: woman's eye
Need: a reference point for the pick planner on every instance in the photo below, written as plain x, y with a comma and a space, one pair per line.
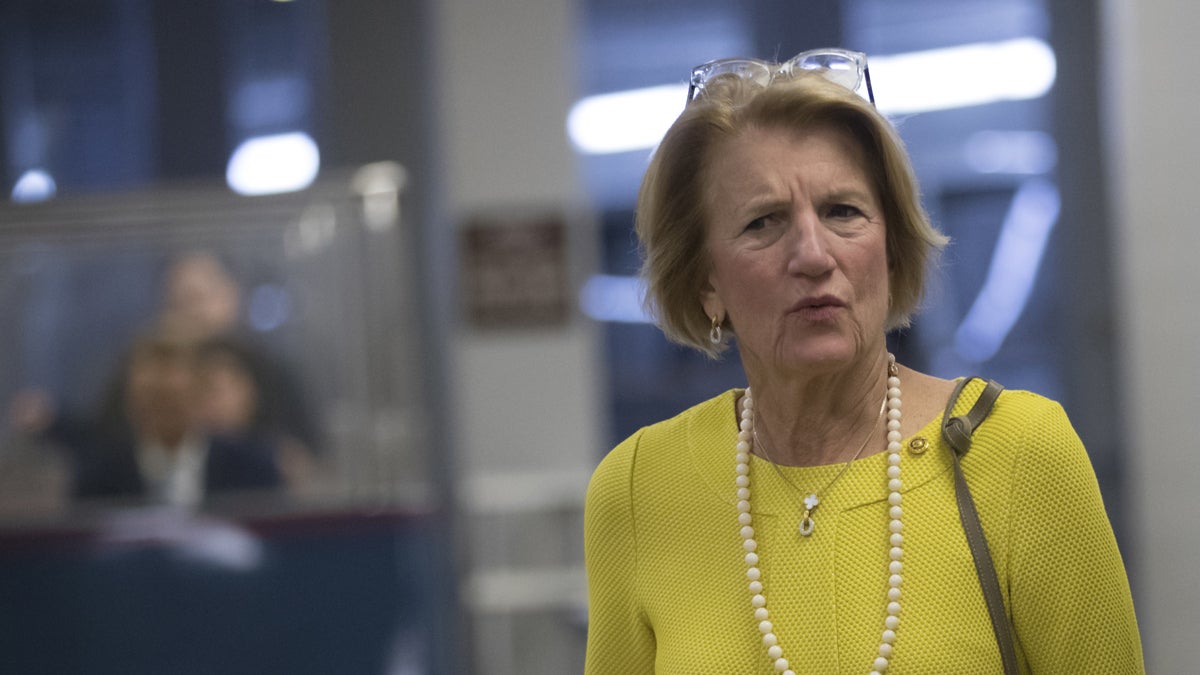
757, 224
844, 211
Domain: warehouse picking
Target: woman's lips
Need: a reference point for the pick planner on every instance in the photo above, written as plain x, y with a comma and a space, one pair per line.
819, 308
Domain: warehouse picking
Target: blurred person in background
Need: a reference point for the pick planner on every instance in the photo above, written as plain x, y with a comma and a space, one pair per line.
813, 522
202, 300
152, 446
255, 395
230, 407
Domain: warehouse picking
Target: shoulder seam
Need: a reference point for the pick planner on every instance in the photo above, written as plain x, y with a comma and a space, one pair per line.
633, 525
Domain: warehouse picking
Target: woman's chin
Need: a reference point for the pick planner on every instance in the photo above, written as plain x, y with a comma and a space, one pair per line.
821, 355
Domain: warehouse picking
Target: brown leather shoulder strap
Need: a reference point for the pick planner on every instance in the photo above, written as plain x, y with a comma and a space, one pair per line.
957, 432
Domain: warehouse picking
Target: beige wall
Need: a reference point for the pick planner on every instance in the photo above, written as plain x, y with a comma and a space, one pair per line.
1152, 113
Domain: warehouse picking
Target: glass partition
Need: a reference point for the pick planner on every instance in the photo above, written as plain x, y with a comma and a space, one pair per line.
197, 348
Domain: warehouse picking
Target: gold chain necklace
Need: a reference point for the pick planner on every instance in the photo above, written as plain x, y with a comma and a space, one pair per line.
813, 499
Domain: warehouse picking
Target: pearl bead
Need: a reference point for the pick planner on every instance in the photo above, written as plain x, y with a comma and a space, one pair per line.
744, 506
745, 518
894, 459
775, 651
897, 540
769, 640
893, 608
747, 532
896, 513
753, 574
894, 594
889, 636
750, 545
896, 525
751, 559
761, 614
781, 664
896, 567
885, 650
746, 425
756, 586
881, 664
758, 600
789, 671
892, 622
893, 471
742, 457
742, 481
765, 627
893, 414
895, 498
895, 581
742, 469
897, 553
894, 484
894, 436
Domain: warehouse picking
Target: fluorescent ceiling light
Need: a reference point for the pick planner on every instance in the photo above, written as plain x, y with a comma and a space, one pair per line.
35, 185
614, 298
1012, 273
967, 75
271, 164
625, 120
904, 84
1013, 152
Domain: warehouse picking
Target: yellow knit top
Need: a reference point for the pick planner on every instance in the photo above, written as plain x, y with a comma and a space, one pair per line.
667, 582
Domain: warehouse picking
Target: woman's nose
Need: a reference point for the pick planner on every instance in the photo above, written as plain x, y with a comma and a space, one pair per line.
810, 253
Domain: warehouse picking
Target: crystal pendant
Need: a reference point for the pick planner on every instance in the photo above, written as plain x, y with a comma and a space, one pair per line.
806, 526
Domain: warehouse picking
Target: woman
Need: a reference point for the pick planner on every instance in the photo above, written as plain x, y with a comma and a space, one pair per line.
808, 523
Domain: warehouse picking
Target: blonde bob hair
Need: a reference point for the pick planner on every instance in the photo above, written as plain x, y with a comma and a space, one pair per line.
671, 219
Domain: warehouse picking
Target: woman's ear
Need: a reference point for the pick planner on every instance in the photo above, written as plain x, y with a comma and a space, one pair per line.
710, 300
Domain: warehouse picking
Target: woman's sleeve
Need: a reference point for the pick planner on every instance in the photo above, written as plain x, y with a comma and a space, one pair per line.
1071, 606
620, 641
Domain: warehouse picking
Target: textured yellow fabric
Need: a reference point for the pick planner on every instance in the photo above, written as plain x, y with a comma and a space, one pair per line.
667, 579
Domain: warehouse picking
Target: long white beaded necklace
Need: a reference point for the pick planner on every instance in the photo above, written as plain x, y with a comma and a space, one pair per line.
895, 526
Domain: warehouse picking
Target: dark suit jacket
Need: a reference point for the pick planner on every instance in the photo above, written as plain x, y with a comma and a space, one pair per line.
110, 469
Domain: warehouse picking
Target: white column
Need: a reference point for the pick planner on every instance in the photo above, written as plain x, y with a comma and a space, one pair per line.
526, 399
1152, 106
527, 406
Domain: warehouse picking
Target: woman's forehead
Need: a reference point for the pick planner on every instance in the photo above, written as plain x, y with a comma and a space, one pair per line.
757, 160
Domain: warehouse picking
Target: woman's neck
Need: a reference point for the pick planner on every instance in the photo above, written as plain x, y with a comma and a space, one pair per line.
821, 419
